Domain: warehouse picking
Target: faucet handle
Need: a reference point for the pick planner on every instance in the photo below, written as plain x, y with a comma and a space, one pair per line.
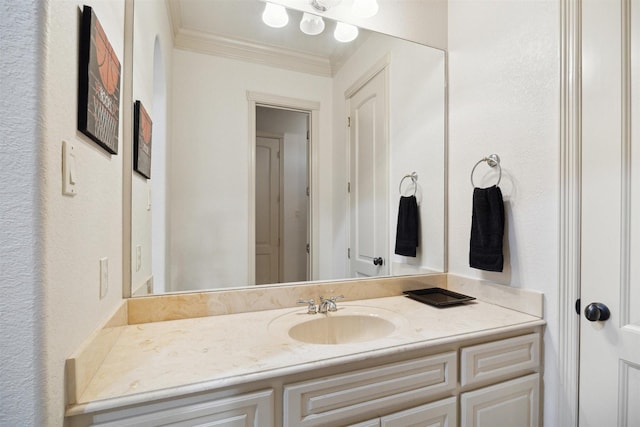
311, 309
332, 302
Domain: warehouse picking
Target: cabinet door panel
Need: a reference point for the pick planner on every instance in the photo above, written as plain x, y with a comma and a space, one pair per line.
512, 403
499, 360
249, 410
437, 414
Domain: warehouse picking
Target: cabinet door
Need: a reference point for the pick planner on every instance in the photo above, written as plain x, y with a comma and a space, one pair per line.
437, 414
248, 410
511, 403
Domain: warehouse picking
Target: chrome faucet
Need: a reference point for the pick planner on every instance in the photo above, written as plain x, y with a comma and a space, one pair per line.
311, 308
328, 304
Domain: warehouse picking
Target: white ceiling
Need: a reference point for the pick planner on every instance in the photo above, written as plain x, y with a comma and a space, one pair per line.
204, 23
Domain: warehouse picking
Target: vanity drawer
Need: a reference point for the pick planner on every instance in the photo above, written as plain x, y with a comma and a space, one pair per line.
499, 359
372, 391
246, 410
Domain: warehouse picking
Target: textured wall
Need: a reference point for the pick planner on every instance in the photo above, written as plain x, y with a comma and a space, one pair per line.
20, 250
504, 98
79, 230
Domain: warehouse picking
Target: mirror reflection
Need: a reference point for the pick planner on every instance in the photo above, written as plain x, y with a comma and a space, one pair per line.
279, 156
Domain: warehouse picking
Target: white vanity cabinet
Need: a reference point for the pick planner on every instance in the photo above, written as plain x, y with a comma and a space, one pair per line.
488, 380
477, 365
499, 385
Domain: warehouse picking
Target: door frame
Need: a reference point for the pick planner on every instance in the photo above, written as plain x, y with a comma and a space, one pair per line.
570, 180
313, 109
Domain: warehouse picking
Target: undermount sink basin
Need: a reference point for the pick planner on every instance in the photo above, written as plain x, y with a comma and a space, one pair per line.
350, 324
341, 329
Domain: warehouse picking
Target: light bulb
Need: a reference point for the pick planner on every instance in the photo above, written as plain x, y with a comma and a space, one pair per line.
311, 24
345, 33
364, 8
275, 15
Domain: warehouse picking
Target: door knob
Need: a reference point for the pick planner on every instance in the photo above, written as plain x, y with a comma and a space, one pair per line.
377, 261
596, 311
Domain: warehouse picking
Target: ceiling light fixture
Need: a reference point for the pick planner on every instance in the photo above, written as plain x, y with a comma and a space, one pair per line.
345, 33
311, 24
364, 8
275, 15
324, 5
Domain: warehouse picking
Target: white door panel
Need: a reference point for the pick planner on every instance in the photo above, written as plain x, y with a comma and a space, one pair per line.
267, 210
610, 350
369, 198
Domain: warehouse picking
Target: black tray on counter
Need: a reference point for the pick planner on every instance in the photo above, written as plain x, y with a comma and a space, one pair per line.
438, 297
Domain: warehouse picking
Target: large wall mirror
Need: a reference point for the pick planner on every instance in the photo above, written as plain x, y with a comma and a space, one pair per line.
279, 156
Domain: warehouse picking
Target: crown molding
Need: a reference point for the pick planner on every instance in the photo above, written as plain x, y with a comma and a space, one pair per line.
226, 47
243, 50
175, 17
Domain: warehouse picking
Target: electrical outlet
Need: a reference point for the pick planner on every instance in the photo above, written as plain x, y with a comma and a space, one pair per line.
104, 277
138, 257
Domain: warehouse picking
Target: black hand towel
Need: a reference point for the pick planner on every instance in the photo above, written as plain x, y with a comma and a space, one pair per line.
487, 229
408, 226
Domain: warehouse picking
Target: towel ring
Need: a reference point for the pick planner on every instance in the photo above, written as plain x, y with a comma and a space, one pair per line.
414, 180
493, 160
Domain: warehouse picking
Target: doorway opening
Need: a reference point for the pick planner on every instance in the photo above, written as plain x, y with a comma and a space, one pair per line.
282, 194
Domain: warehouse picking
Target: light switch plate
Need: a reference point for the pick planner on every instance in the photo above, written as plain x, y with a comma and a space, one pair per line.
69, 171
104, 277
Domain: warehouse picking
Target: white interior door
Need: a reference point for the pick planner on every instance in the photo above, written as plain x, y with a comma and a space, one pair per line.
369, 233
267, 210
610, 272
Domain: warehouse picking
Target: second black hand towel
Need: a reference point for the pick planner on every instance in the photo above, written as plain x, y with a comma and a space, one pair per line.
487, 229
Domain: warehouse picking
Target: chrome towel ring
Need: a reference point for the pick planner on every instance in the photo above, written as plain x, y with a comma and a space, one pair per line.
493, 160
414, 180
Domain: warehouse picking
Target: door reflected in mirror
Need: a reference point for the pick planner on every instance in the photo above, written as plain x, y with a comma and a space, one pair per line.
282, 195
273, 159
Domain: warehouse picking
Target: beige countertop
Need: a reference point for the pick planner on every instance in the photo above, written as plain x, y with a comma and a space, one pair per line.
171, 358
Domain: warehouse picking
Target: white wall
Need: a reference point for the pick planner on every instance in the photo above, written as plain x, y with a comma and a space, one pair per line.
416, 135
210, 164
21, 272
504, 99
77, 231
151, 23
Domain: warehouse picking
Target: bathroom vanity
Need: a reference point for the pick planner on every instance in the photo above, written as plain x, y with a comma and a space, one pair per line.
474, 364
